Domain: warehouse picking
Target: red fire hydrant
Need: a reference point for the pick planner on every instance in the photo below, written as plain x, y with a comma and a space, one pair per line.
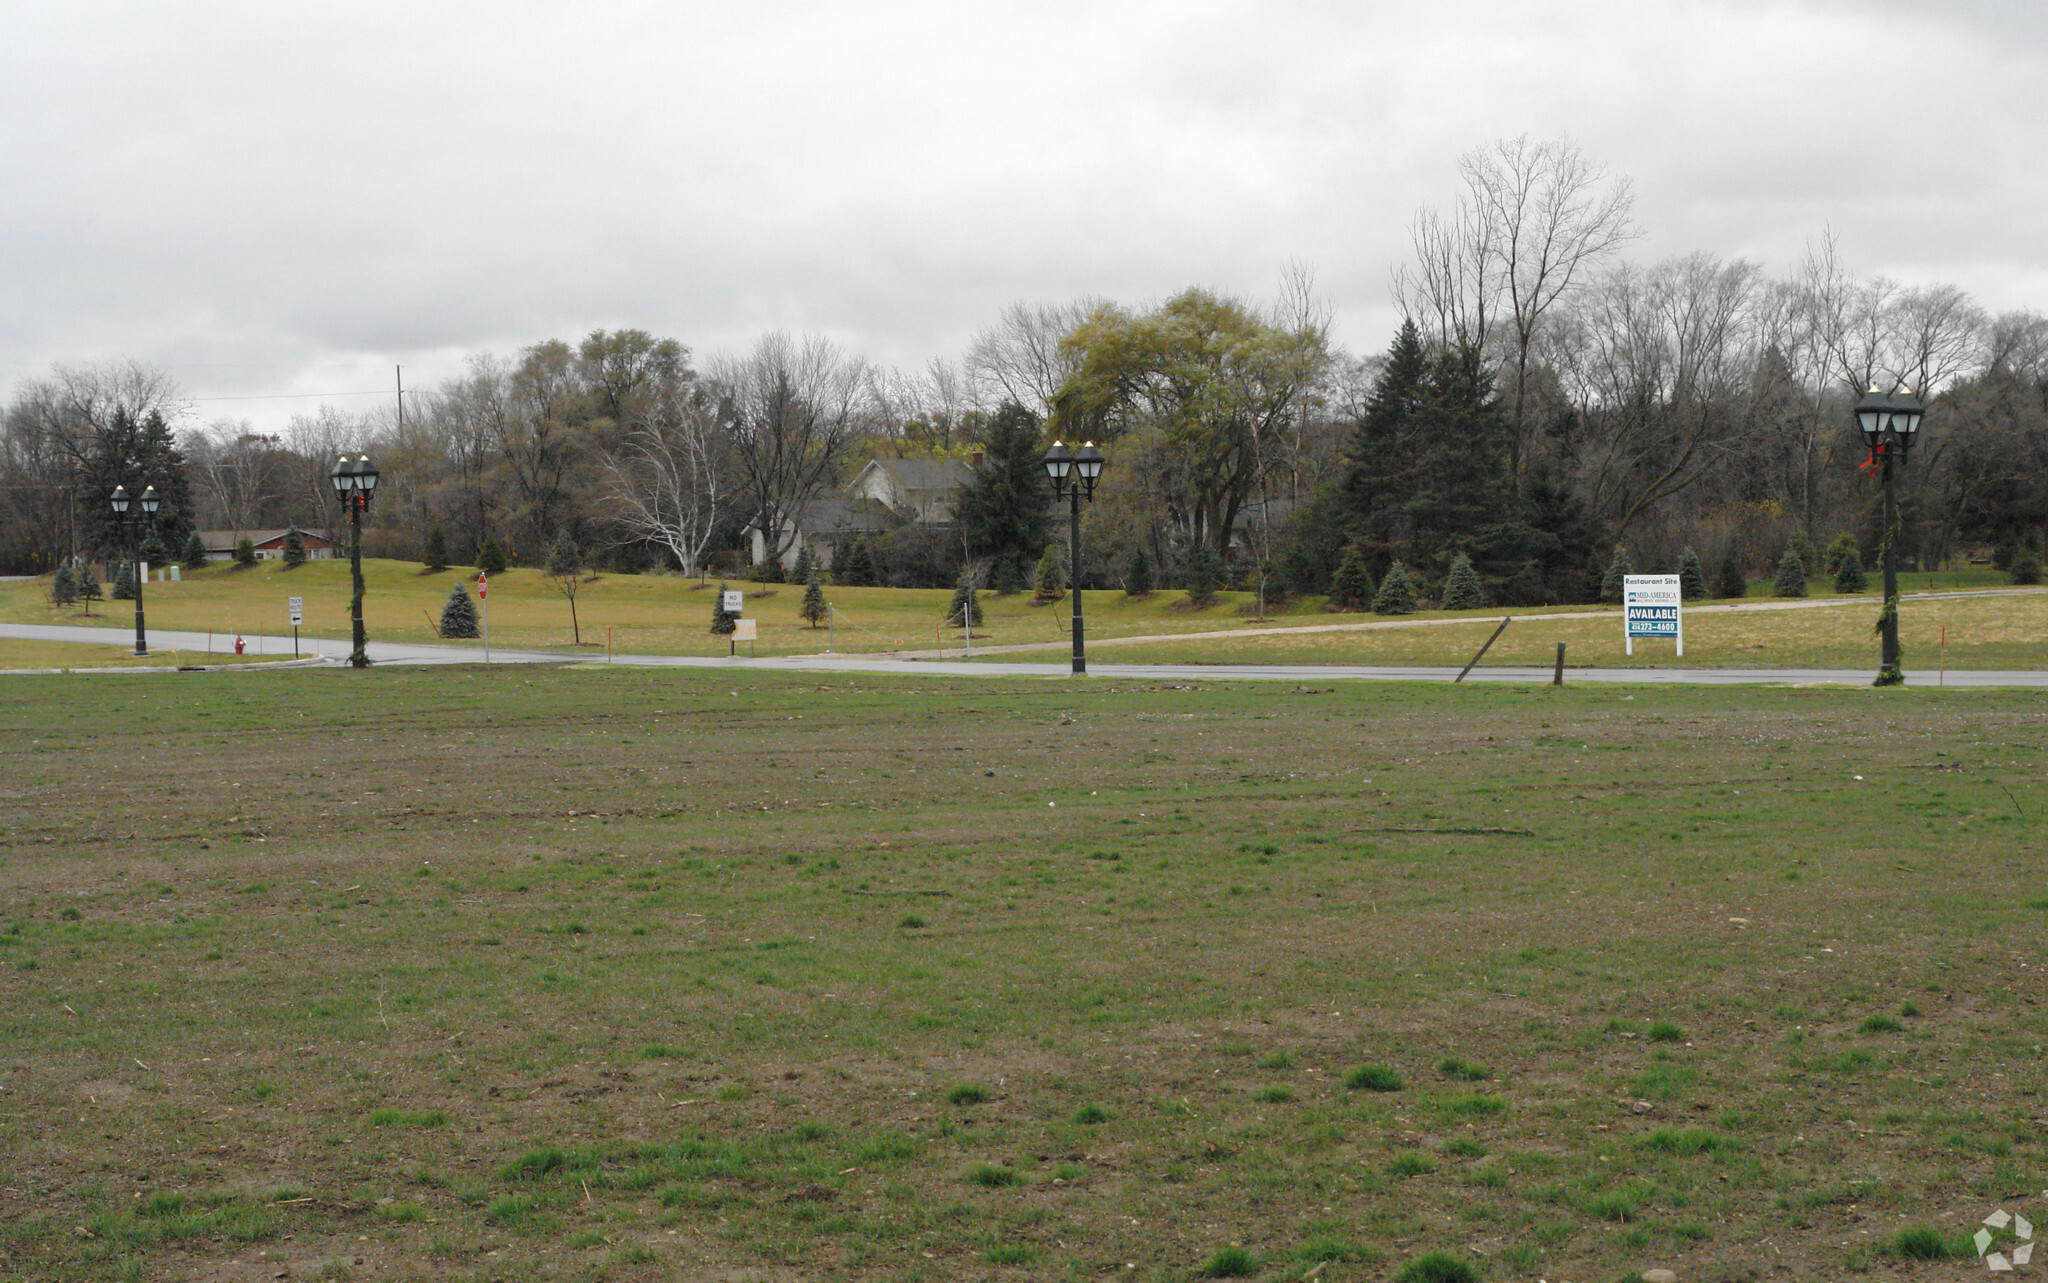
238, 645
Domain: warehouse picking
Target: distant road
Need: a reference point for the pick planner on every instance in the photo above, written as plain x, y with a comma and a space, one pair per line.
335, 654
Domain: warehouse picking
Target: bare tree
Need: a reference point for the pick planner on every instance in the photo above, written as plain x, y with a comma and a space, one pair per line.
669, 481
1660, 364
1533, 219
1020, 358
790, 408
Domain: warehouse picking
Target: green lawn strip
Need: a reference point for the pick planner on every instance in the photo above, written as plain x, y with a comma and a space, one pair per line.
679, 971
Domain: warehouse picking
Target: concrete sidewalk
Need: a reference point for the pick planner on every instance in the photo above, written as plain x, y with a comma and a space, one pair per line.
334, 654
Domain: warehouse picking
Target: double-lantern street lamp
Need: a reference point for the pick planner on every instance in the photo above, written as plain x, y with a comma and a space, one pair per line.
1889, 424
1074, 473
355, 480
146, 504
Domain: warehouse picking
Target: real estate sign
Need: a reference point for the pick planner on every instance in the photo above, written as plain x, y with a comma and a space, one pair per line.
1651, 606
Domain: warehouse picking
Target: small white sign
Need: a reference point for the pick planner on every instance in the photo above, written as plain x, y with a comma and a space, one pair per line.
742, 629
298, 605
1652, 606
730, 599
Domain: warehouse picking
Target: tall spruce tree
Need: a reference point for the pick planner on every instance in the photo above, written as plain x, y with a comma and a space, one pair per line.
195, 552
1791, 580
458, 615
490, 555
1351, 588
1138, 580
435, 556
1204, 575
1050, 581
1001, 509
964, 611
1397, 593
124, 581
64, 587
1462, 590
806, 563
1731, 582
1849, 577
1611, 582
723, 622
815, 609
294, 549
245, 552
1692, 577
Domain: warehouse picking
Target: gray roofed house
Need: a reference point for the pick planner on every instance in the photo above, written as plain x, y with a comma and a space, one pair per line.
881, 495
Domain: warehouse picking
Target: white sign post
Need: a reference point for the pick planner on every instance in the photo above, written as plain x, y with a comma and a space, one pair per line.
298, 609
1652, 607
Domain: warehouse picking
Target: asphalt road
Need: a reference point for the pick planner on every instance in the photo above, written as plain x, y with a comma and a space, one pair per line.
334, 654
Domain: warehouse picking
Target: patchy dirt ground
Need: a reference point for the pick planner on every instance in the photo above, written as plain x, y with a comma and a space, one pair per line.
639, 975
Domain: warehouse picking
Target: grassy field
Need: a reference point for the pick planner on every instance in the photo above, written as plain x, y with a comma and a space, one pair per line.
624, 974
654, 614
36, 654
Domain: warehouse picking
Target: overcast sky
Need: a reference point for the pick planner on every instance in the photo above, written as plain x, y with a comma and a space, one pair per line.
270, 199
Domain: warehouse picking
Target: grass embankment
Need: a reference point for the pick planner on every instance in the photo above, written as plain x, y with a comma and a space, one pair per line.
677, 974
665, 615
40, 655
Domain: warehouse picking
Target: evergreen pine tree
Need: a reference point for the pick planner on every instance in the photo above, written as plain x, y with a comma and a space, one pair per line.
88, 587
1692, 577
1802, 543
294, 549
806, 562
245, 552
1849, 576
1138, 582
1303, 575
2026, 565
1843, 548
124, 582
64, 587
1009, 579
1050, 581
723, 622
1462, 590
815, 609
1596, 574
435, 557
490, 555
458, 616
860, 565
195, 552
1611, 581
964, 611
1731, 582
1351, 588
1791, 581
1204, 575
1397, 593
1001, 506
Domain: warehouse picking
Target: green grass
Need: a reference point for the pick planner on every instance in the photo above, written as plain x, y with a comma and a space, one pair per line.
261, 921
669, 615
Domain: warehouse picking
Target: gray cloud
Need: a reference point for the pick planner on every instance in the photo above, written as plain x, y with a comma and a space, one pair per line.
272, 198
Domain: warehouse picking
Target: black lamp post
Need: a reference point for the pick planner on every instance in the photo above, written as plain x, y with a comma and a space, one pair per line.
1074, 474
1889, 424
355, 482
148, 502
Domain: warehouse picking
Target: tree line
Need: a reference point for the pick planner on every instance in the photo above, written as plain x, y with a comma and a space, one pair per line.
1547, 398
